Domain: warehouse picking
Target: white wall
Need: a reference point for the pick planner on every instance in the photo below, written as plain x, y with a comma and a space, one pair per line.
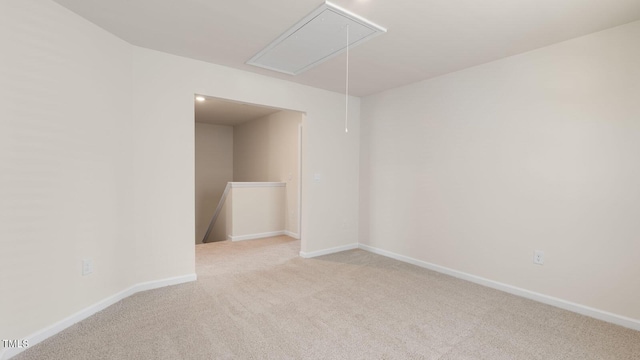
476, 169
97, 155
164, 86
214, 168
257, 210
266, 149
65, 165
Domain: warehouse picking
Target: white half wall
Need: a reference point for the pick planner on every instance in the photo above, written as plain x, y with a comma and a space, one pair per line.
474, 170
257, 210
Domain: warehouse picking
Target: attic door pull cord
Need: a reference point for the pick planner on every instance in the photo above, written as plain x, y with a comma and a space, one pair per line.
346, 110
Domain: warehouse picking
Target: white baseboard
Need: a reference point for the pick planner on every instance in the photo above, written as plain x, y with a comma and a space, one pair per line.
256, 236
292, 234
51, 330
312, 254
549, 300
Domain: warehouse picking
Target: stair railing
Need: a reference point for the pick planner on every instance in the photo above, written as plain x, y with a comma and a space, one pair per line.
217, 212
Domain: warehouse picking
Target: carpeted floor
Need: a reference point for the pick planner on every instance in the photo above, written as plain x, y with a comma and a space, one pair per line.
259, 300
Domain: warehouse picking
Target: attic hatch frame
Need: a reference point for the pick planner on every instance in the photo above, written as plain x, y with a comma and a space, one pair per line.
335, 10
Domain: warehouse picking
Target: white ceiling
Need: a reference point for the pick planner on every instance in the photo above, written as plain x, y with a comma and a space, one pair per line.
222, 112
425, 38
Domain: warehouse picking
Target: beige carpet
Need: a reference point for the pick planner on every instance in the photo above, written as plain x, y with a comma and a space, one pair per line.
259, 300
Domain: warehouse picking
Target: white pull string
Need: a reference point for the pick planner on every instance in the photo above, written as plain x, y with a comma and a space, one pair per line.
346, 93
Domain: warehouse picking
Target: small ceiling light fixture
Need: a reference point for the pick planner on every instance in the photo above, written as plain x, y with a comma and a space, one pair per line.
316, 38
200, 98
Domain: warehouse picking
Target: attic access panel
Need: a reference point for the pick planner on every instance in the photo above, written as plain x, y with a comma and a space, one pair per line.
316, 38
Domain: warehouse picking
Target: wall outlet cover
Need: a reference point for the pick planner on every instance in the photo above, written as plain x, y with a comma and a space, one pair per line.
87, 267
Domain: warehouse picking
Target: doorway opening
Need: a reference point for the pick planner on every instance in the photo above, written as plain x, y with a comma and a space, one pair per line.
248, 165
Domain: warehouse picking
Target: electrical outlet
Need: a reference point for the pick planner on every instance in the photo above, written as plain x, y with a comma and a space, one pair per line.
87, 267
538, 257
